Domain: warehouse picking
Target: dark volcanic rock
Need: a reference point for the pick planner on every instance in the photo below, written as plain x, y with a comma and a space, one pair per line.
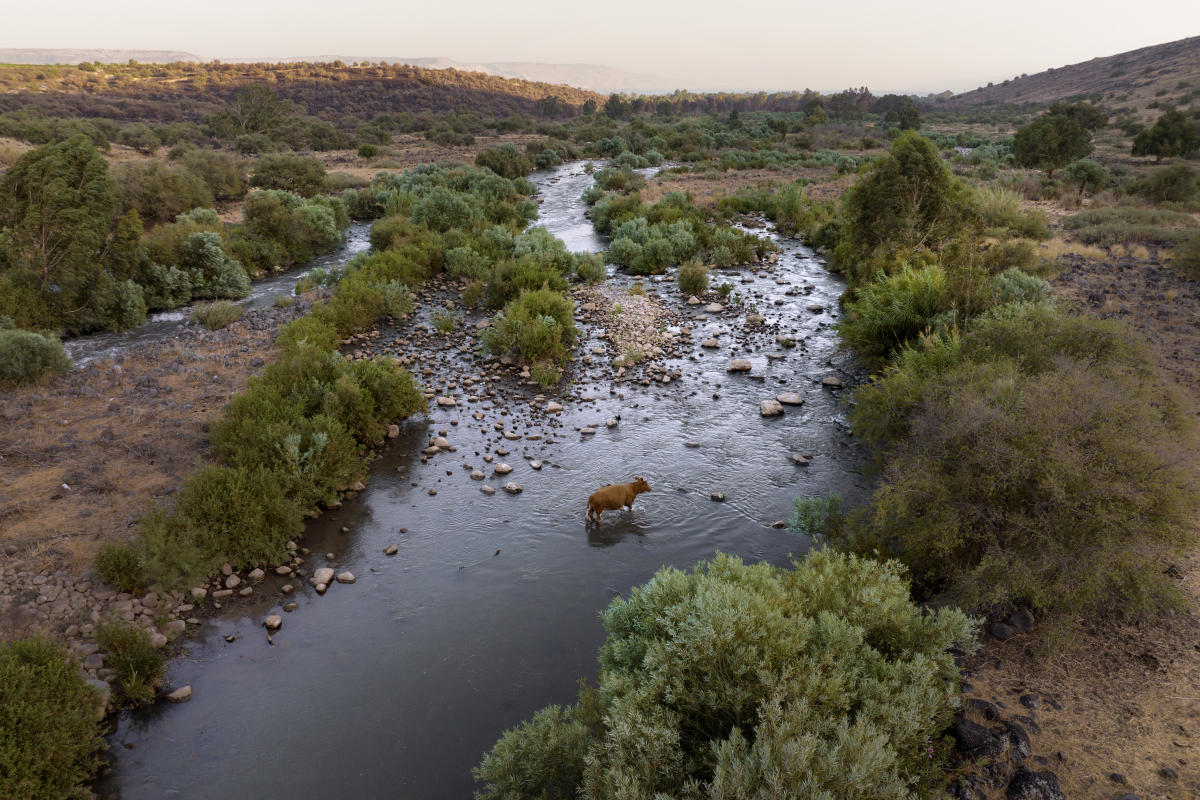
975, 741
1027, 785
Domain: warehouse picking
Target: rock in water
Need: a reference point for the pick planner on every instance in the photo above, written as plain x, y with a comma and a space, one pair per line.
770, 408
447, 402
181, 695
346, 577
739, 365
273, 622
512, 487
503, 469
833, 382
790, 398
323, 575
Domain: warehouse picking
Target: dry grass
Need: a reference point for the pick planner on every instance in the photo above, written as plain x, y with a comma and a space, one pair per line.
1130, 697
119, 436
706, 187
1058, 247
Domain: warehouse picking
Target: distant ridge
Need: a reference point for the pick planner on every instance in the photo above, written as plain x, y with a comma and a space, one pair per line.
61, 56
1159, 74
593, 77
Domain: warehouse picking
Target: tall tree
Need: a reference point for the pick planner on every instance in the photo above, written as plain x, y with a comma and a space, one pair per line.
1173, 134
1051, 141
58, 207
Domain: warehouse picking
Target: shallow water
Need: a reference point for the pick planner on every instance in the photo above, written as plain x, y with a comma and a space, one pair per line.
396, 685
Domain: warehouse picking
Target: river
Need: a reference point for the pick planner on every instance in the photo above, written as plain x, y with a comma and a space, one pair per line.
396, 685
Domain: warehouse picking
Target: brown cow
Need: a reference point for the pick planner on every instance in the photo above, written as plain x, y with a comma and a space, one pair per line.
610, 498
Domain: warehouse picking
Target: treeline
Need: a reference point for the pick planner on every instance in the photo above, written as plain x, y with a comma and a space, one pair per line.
76, 255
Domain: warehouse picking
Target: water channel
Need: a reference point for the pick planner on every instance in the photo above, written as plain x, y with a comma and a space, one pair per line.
394, 687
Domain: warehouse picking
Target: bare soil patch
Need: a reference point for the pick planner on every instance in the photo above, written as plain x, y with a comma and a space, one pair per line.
83, 456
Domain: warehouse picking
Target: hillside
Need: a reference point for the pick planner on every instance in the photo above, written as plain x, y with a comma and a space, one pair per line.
189, 91
35, 55
592, 77
1139, 80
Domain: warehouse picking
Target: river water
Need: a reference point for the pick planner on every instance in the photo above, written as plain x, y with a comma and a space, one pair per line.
396, 685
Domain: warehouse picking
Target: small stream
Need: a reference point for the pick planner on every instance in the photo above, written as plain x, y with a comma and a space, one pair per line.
396, 685
162, 325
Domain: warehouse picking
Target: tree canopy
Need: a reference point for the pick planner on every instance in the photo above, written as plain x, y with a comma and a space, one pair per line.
1051, 141
1173, 134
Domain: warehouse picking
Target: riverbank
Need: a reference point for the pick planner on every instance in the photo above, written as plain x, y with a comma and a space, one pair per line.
84, 456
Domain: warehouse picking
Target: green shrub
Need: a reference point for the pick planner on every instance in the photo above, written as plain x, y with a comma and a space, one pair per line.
315, 330
590, 269
537, 327
1067, 490
751, 681
303, 175
219, 171
1011, 254
215, 316
1177, 184
398, 300
443, 323
26, 356
1014, 286
368, 150
158, 191
1088, 175
893, 310
49, 738
693, 278
238, 514
120, 565
506, 160
1000, 210
213, 273
139, 665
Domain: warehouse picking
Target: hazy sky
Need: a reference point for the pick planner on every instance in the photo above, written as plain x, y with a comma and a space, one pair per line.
911, 45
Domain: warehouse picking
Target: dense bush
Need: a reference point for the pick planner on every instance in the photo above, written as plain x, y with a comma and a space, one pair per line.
160, 192
538, 328
1177, 184
215, 316
302, 175
238, 514
1038, 460
220, 172
907, 201
49, 738
120, 565
27, 356
742, 680
506, 160
893, 310
139, 665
